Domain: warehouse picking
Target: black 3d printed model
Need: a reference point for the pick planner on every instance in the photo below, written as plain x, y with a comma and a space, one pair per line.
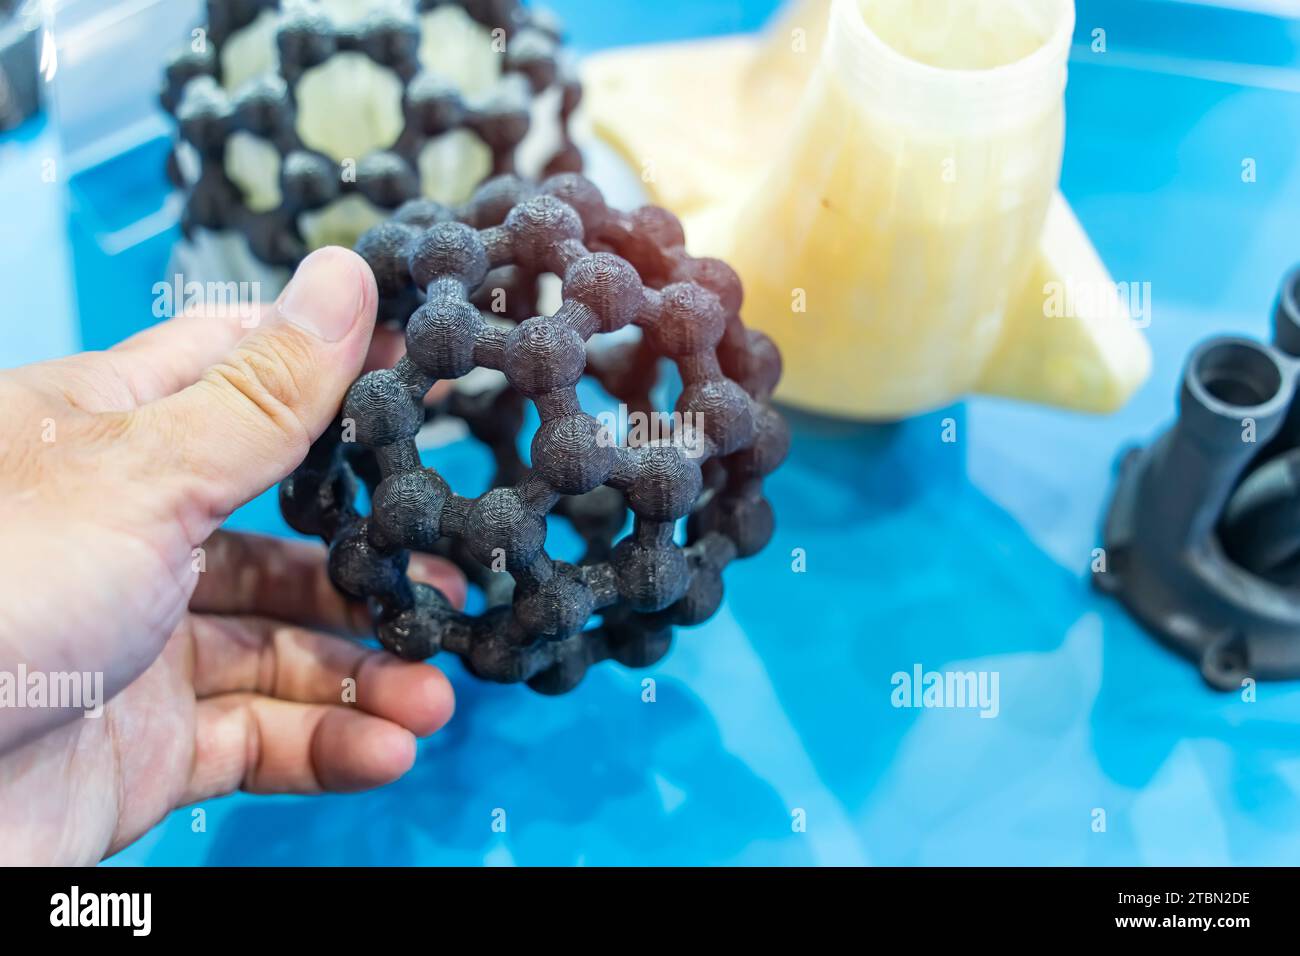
1203, 536
618, 269
265, 107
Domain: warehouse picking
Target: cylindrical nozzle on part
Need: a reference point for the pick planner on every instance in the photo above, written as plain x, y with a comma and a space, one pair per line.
1286, 315
1234, 397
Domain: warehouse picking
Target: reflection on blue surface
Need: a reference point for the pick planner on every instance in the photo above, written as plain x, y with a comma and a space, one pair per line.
782, 704
968, 555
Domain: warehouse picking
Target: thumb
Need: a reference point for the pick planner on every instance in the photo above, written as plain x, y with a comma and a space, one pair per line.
252, 417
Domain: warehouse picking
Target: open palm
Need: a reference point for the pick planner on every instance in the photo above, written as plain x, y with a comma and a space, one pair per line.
222, 654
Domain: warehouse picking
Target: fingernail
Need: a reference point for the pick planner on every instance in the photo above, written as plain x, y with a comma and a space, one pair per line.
325, 294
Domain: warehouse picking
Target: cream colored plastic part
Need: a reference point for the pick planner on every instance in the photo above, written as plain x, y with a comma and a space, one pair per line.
718, 129
340, 223
349, 106
253, 164
1090, 358
459, 49
452, 164
251, 52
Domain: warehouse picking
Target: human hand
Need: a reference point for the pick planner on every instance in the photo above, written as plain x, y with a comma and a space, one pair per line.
221, 668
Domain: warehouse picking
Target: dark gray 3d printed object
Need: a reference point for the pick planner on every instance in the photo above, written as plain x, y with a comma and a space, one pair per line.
1202, 539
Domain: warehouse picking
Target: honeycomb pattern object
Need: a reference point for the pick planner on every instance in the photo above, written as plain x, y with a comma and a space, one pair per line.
213, 108
439, 267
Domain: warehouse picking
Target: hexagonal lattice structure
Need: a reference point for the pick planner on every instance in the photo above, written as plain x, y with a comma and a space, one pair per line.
618, 269
304, 122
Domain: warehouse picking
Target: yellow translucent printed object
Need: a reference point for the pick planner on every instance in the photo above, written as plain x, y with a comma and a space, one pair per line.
883, 176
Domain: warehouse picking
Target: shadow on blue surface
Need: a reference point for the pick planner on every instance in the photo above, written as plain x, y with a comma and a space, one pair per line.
781, 707
607, 779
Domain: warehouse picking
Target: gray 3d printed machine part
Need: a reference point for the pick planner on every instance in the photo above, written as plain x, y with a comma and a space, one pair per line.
1202, 541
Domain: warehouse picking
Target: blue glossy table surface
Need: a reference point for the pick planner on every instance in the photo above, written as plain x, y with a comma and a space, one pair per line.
969, 556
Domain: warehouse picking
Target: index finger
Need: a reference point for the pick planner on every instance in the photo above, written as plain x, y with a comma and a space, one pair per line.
287, 580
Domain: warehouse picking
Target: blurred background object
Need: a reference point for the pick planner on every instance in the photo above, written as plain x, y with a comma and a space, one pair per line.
122, 214
303, 125
19, 81
882, 175
107, 69
1278, 8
